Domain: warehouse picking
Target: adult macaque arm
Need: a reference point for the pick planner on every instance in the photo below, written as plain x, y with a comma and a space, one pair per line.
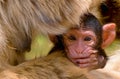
57, 66
53, 66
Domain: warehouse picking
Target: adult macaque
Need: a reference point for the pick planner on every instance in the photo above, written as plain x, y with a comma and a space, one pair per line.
21, 21
56, 65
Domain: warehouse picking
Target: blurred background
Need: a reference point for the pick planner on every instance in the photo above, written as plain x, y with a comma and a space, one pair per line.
40, 47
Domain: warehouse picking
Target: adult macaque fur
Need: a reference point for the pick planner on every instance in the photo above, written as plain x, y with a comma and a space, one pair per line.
56, 65
61, 68
21, 21
53, 66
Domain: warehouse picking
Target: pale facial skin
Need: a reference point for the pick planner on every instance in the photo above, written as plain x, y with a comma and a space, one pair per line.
79, 45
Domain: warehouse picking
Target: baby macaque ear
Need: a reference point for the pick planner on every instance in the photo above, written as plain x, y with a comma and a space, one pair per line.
109, 34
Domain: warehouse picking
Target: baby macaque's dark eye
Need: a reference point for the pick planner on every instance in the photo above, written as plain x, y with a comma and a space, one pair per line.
87, 38
71, 37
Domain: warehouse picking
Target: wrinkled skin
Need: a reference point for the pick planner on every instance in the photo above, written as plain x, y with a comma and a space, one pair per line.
79, 47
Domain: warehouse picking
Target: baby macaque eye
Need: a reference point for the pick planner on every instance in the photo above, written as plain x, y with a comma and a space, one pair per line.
71, 37
87, 38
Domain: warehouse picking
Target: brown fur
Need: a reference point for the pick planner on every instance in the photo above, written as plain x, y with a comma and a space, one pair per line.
57, 66
21, 21
53, 66
110, 12
107, 11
